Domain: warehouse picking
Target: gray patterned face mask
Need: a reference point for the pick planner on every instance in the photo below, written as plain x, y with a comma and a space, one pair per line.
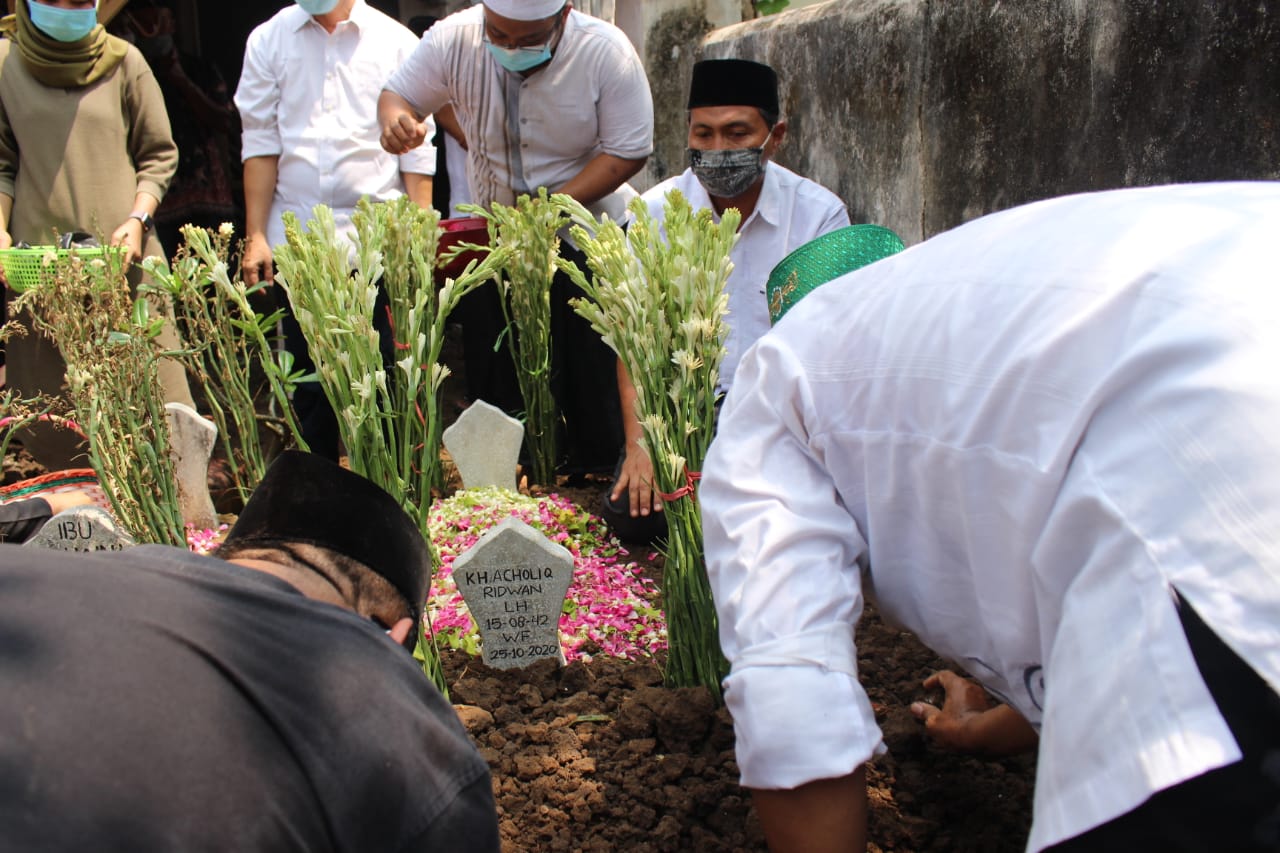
727, 172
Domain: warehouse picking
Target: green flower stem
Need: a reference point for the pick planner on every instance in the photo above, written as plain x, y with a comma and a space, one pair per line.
660, 305
388, 417
230, 349
529, 232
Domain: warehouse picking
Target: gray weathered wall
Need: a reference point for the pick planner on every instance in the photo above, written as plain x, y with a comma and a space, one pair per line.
922, 114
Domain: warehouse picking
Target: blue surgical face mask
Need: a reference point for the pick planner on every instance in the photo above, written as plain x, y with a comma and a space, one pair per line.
66, 25
519, 58
318, 7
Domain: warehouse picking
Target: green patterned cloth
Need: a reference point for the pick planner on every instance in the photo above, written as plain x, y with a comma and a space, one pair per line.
825, 258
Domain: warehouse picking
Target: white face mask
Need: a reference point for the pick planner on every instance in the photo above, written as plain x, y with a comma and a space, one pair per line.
317, 7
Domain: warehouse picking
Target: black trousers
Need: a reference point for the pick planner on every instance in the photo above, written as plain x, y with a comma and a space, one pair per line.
1234, 808
584, 379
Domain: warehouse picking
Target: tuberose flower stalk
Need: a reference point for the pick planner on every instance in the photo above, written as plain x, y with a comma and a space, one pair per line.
659, 302
229, 349
529, 232
388, 415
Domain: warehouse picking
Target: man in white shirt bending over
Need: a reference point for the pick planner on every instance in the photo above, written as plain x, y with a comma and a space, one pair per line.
308, 99
735, 129
1046, 443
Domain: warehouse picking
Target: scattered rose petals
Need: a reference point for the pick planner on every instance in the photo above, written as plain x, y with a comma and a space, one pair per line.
204, 541
610, 608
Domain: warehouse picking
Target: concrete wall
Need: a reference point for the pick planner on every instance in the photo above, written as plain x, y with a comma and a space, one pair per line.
666, 34
923, 114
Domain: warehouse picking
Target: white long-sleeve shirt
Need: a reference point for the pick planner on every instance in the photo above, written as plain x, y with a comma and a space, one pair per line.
537, 131
790, 212
310, 97
1021, 435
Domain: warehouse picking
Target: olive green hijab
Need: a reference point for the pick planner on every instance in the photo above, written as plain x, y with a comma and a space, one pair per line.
64, 65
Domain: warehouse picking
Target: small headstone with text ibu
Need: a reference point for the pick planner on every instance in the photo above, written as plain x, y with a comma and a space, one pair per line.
82, 528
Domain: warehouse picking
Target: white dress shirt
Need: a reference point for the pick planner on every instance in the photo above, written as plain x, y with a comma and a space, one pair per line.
455, 158
1020, 436
537, 131
790, 212
311, 98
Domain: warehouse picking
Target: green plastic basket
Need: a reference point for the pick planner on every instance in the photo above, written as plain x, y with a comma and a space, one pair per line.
23, 267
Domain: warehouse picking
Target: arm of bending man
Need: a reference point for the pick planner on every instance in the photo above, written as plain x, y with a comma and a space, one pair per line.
783, 558
825, 816
600, 177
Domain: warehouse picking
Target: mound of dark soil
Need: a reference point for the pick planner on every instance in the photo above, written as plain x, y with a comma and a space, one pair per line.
600, 756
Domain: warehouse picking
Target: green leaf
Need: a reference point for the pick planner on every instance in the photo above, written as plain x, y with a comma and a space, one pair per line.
141, 312
769, 7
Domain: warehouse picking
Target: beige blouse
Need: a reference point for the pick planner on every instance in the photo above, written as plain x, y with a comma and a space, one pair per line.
75, 158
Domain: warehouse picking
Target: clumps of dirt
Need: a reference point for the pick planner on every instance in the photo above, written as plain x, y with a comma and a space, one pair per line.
600, 756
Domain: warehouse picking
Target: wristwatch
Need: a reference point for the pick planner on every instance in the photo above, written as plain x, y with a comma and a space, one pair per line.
143, 217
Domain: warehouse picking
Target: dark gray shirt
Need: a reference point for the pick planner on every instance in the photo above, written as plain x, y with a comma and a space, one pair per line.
158, 700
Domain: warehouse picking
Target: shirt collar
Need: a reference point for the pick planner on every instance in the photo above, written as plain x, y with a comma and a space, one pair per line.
359, 16
769, 205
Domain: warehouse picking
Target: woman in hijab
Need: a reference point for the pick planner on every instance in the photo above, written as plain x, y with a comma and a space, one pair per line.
85, 145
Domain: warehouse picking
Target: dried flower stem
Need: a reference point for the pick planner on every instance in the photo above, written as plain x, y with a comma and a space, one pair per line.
108, 342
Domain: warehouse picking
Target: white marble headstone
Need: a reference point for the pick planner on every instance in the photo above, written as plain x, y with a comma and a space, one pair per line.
514, 581
191, 440
81, 528
484, 443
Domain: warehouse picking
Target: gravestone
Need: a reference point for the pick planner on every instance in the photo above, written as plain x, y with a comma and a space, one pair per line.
514, 581
484, 443
191, 439
81, 528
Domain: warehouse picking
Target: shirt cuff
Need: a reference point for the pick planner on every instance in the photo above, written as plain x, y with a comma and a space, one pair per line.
151, 188
259, 143
20, 520
419, 161
799, 724
636, 153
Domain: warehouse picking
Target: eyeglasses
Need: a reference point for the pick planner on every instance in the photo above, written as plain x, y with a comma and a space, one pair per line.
533, 43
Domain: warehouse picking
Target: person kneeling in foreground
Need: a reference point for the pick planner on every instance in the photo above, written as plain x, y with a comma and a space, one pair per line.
160, 700
1044, 442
